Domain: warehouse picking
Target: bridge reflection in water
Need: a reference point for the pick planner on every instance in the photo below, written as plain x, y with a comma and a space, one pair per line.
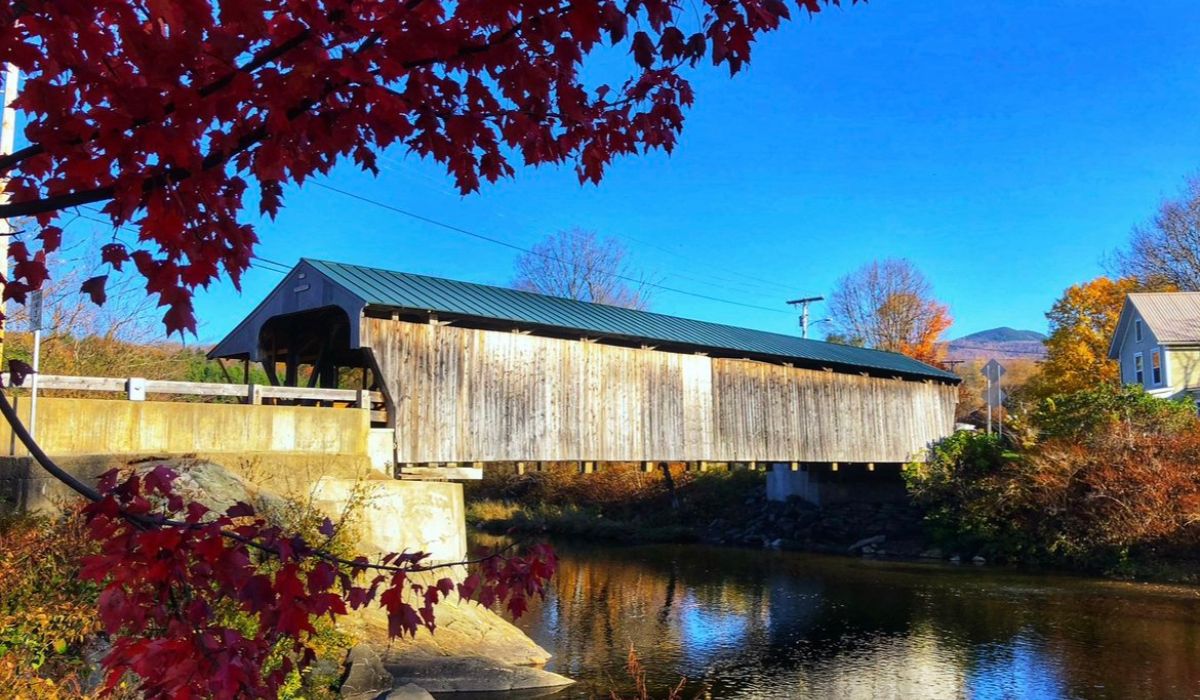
750, 624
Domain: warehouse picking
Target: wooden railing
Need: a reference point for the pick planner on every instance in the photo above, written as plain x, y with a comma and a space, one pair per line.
137, 389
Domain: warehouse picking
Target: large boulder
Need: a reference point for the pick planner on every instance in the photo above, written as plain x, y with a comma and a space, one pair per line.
366, 677
472, 650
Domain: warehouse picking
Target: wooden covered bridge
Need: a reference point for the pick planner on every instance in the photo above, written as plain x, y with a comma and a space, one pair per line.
473, 374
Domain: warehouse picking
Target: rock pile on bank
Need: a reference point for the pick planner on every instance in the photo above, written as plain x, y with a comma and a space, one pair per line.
878, 529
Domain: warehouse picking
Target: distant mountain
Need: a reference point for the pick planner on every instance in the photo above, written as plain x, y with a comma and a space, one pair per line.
998, 343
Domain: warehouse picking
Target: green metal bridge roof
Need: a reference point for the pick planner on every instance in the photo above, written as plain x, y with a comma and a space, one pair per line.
400, 290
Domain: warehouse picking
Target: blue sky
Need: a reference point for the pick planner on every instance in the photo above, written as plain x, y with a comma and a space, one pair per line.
1004, 147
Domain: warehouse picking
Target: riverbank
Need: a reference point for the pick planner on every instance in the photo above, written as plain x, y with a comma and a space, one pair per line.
616, 505
715, 507
722, 507
886, 529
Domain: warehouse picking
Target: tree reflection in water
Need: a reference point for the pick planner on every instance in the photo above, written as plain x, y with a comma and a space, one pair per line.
755, 624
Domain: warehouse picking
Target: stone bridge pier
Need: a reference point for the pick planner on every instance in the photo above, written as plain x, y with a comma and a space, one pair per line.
831, 483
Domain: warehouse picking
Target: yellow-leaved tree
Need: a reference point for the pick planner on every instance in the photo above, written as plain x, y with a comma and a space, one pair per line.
1082, 322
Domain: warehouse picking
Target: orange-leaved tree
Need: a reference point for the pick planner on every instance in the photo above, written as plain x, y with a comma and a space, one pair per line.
889, 305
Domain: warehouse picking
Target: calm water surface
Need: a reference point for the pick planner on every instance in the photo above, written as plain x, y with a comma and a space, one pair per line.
758, 624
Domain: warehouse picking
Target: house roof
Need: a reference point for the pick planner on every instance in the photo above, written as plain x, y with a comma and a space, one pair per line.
1173, 317
400, 290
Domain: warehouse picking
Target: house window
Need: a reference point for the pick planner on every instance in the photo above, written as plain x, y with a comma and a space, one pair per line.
1137, 330
1139, 369
1156, 367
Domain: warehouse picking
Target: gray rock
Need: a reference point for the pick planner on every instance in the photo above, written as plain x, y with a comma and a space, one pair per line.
366, 678
931, 553
978, 560
94, 651
869, 541
408, 691
469, 674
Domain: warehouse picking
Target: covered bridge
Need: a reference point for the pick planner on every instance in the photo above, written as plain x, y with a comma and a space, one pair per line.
472, 373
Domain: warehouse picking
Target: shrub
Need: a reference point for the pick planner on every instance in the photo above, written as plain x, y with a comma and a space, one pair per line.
972, 488
1111, 481
1096, 413
47, 613
1118, 498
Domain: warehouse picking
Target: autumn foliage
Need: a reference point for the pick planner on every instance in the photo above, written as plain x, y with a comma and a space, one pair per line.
224, 605
889, 305
172, 115
1102, 479
1082, 323
925, 343
47, 613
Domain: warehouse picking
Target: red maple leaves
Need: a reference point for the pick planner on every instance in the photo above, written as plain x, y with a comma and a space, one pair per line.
224, 605
164, 113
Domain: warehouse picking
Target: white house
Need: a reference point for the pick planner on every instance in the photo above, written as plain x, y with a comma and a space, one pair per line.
1157, 342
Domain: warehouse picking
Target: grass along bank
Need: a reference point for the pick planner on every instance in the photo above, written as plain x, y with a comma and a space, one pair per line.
621, 503
627, 505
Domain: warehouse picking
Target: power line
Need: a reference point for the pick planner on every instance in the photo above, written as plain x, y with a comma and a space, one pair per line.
746, 283
282, 268
1031, 353
264, 263
272, 266
513, 246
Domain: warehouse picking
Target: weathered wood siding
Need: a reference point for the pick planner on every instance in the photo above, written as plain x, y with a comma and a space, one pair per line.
464, 395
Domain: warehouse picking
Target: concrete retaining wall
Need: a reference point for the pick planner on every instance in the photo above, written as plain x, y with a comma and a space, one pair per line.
68, 426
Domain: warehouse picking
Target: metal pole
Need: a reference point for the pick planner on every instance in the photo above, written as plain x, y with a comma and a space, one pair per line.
989, 404
33, 387
803, 304
8, 132
1000, 405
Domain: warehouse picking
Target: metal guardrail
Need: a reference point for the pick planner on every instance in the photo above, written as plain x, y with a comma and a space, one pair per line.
137, 388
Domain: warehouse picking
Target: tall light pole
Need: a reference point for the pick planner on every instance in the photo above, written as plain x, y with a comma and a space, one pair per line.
803, 304
8, 133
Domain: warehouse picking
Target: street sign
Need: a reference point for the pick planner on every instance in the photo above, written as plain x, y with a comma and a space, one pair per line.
35, 310
995, 396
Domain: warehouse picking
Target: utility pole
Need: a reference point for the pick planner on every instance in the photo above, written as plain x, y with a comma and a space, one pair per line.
8, 133
803, 304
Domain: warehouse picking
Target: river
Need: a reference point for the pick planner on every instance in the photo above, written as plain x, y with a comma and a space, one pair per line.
761, 624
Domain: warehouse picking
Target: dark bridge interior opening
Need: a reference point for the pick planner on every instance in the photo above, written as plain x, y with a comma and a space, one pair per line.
312, 349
